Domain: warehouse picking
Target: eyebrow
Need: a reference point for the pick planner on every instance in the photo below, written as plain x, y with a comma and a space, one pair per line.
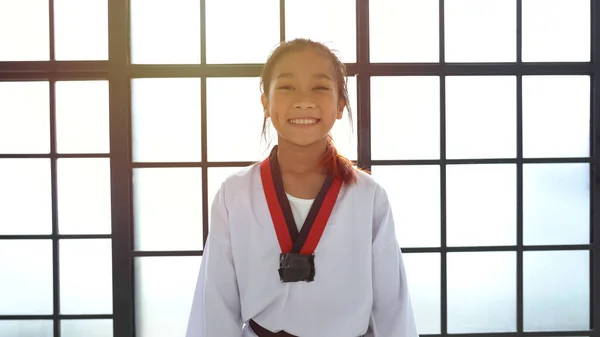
320, 75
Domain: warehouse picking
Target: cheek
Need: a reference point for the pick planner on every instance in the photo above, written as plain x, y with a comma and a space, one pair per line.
331, 108
278, 108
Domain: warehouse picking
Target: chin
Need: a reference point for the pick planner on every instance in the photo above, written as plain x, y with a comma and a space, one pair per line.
304, 142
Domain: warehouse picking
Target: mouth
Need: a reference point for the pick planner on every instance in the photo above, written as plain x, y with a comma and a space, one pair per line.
304, 121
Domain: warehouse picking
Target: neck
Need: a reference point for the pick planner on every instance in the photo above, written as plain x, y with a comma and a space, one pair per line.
300, 159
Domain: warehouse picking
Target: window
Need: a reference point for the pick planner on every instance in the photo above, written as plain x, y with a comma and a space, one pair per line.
116, 129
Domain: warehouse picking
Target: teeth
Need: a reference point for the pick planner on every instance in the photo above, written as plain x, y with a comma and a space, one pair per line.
303, 121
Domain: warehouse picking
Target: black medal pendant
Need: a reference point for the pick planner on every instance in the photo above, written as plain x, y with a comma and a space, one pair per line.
296, 267
297, 260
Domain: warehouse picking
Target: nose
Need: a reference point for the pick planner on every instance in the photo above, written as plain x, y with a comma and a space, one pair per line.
303, 101
304, 105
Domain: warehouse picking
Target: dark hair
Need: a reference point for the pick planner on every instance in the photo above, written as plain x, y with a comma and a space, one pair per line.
336, 164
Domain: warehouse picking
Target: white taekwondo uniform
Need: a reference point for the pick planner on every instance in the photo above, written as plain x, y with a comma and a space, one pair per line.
359, 284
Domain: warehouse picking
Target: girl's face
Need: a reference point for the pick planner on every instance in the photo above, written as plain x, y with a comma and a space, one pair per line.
302, 100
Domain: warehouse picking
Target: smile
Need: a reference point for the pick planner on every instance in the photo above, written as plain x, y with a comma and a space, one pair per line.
304, 121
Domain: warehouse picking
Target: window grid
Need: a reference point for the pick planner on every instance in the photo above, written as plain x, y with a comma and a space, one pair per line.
594, 172
120, 73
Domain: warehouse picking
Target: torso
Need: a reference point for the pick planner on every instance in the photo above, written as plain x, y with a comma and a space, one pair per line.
342, 289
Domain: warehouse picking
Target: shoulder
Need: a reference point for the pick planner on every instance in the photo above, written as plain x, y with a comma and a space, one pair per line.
368, 185
382, 220
241, 176
373, 197
241, 179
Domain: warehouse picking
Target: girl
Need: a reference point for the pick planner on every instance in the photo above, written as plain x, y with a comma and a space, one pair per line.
302, 243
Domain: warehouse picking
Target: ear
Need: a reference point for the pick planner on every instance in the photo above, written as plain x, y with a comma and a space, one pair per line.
341, 106
265, 103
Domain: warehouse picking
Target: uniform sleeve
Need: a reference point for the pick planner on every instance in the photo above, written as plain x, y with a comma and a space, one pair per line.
392, 313
216, 304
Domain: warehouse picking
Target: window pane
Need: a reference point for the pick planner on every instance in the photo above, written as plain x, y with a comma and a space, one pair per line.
86, 276
556, 290
345, 134
86, 327
556, 31
556, 116
164, 291
424, 277
332, 22
81, 29
167, 208
556, 204
25, 197
405, 117
404, 30
26, 282
253, 43
82, 120
482, 292
481, 204
84, 196
480, 31
414, 193
27, 328
242, 117
175, 40
24, 31
24, 116
166, 119
481, 117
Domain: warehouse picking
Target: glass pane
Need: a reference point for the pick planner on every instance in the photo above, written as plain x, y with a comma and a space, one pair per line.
82, 120
24, 31
27, 328
26, 282
424, 277
81, 29
480, 31
481, 117
175, 40
343, 133
404, 30
556, 116
84, 196
414, 193
86, 327
556, 290
556, 31
556, 204
166, 119
482, 292
242, 117
86, 276
253, 43
481, 205
24, 116
167, 208
25, 197
332, 22
405, 111
164, 290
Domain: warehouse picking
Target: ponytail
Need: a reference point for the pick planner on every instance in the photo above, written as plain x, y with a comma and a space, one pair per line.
338, 165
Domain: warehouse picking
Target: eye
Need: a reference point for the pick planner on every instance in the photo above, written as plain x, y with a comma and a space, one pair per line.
321, 88
285, 87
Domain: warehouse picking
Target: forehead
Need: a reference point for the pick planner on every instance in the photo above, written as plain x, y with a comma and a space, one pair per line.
303, 62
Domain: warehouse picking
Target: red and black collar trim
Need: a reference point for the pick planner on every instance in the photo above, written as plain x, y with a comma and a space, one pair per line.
290, 240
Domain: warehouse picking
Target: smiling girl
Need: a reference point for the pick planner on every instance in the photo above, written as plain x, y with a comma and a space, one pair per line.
302, 243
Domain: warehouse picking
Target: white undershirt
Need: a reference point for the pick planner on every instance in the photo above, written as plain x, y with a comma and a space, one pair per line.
300, 209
